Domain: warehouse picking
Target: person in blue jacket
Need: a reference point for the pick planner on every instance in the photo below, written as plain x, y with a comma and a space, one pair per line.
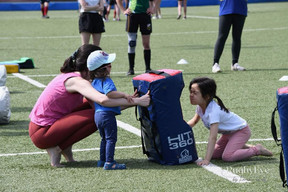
232, 13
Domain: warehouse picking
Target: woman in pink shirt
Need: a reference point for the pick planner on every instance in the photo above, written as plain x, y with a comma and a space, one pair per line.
61, 115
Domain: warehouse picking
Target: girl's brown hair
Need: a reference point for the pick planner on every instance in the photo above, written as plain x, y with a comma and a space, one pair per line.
101, 72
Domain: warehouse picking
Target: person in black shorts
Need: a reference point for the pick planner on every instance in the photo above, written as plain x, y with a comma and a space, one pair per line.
90, 21
44, 5
138, 16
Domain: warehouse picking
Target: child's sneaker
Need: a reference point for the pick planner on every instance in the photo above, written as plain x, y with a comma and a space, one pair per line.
113, 166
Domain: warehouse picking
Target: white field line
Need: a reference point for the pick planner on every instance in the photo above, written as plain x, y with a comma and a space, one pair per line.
129, 128
121, 147
53, 75
29, 80
211, 167
74, 150
224, 173
154, 34
202, 17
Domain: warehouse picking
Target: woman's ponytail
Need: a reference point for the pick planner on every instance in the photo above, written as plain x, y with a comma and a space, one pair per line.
78, 60
70, 63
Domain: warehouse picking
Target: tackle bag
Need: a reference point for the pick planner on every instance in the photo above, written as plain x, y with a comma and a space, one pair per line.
282, 107
166, 138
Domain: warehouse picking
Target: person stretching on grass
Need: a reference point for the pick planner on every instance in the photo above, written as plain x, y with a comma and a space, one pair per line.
99, 65
218, 119
60, 118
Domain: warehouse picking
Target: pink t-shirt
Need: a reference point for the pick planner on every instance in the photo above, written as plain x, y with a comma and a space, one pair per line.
55, 101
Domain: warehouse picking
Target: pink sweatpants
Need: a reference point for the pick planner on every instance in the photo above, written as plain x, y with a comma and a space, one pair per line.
65, 131
230, 146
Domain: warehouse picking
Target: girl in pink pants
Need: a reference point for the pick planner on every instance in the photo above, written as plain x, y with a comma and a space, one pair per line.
218, 119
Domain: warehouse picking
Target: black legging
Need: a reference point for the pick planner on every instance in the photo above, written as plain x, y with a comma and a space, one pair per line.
225, 23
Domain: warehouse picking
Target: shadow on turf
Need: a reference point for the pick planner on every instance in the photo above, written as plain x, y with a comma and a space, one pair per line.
15, 125
279, 69
131, 164
146, 164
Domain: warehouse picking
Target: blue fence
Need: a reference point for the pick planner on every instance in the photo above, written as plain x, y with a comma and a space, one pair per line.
73, 5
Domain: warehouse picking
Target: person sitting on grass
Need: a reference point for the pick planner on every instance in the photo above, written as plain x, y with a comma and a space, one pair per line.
218, 119
99, 65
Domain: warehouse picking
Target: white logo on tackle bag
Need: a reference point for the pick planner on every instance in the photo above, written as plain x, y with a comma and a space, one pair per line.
185, 157
182, 140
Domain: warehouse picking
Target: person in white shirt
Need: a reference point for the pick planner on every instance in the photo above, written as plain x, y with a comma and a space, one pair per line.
90, 21
235, 131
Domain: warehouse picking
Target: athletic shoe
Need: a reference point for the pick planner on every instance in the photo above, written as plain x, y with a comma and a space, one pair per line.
179, 16
45, 17
130, 72
184, 17
113, 166
216, 68
148, 70
237, 67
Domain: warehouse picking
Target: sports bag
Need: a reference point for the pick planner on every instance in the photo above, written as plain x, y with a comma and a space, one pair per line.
166, 138
282, 107
24, 63
3, 75
5, 111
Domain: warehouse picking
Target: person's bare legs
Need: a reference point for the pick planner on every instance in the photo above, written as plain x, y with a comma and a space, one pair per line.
146, 42
185, 8
96, 39
262, 150
247, 146
179, 9
85, 37
68, 154
55, 156
118, 11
